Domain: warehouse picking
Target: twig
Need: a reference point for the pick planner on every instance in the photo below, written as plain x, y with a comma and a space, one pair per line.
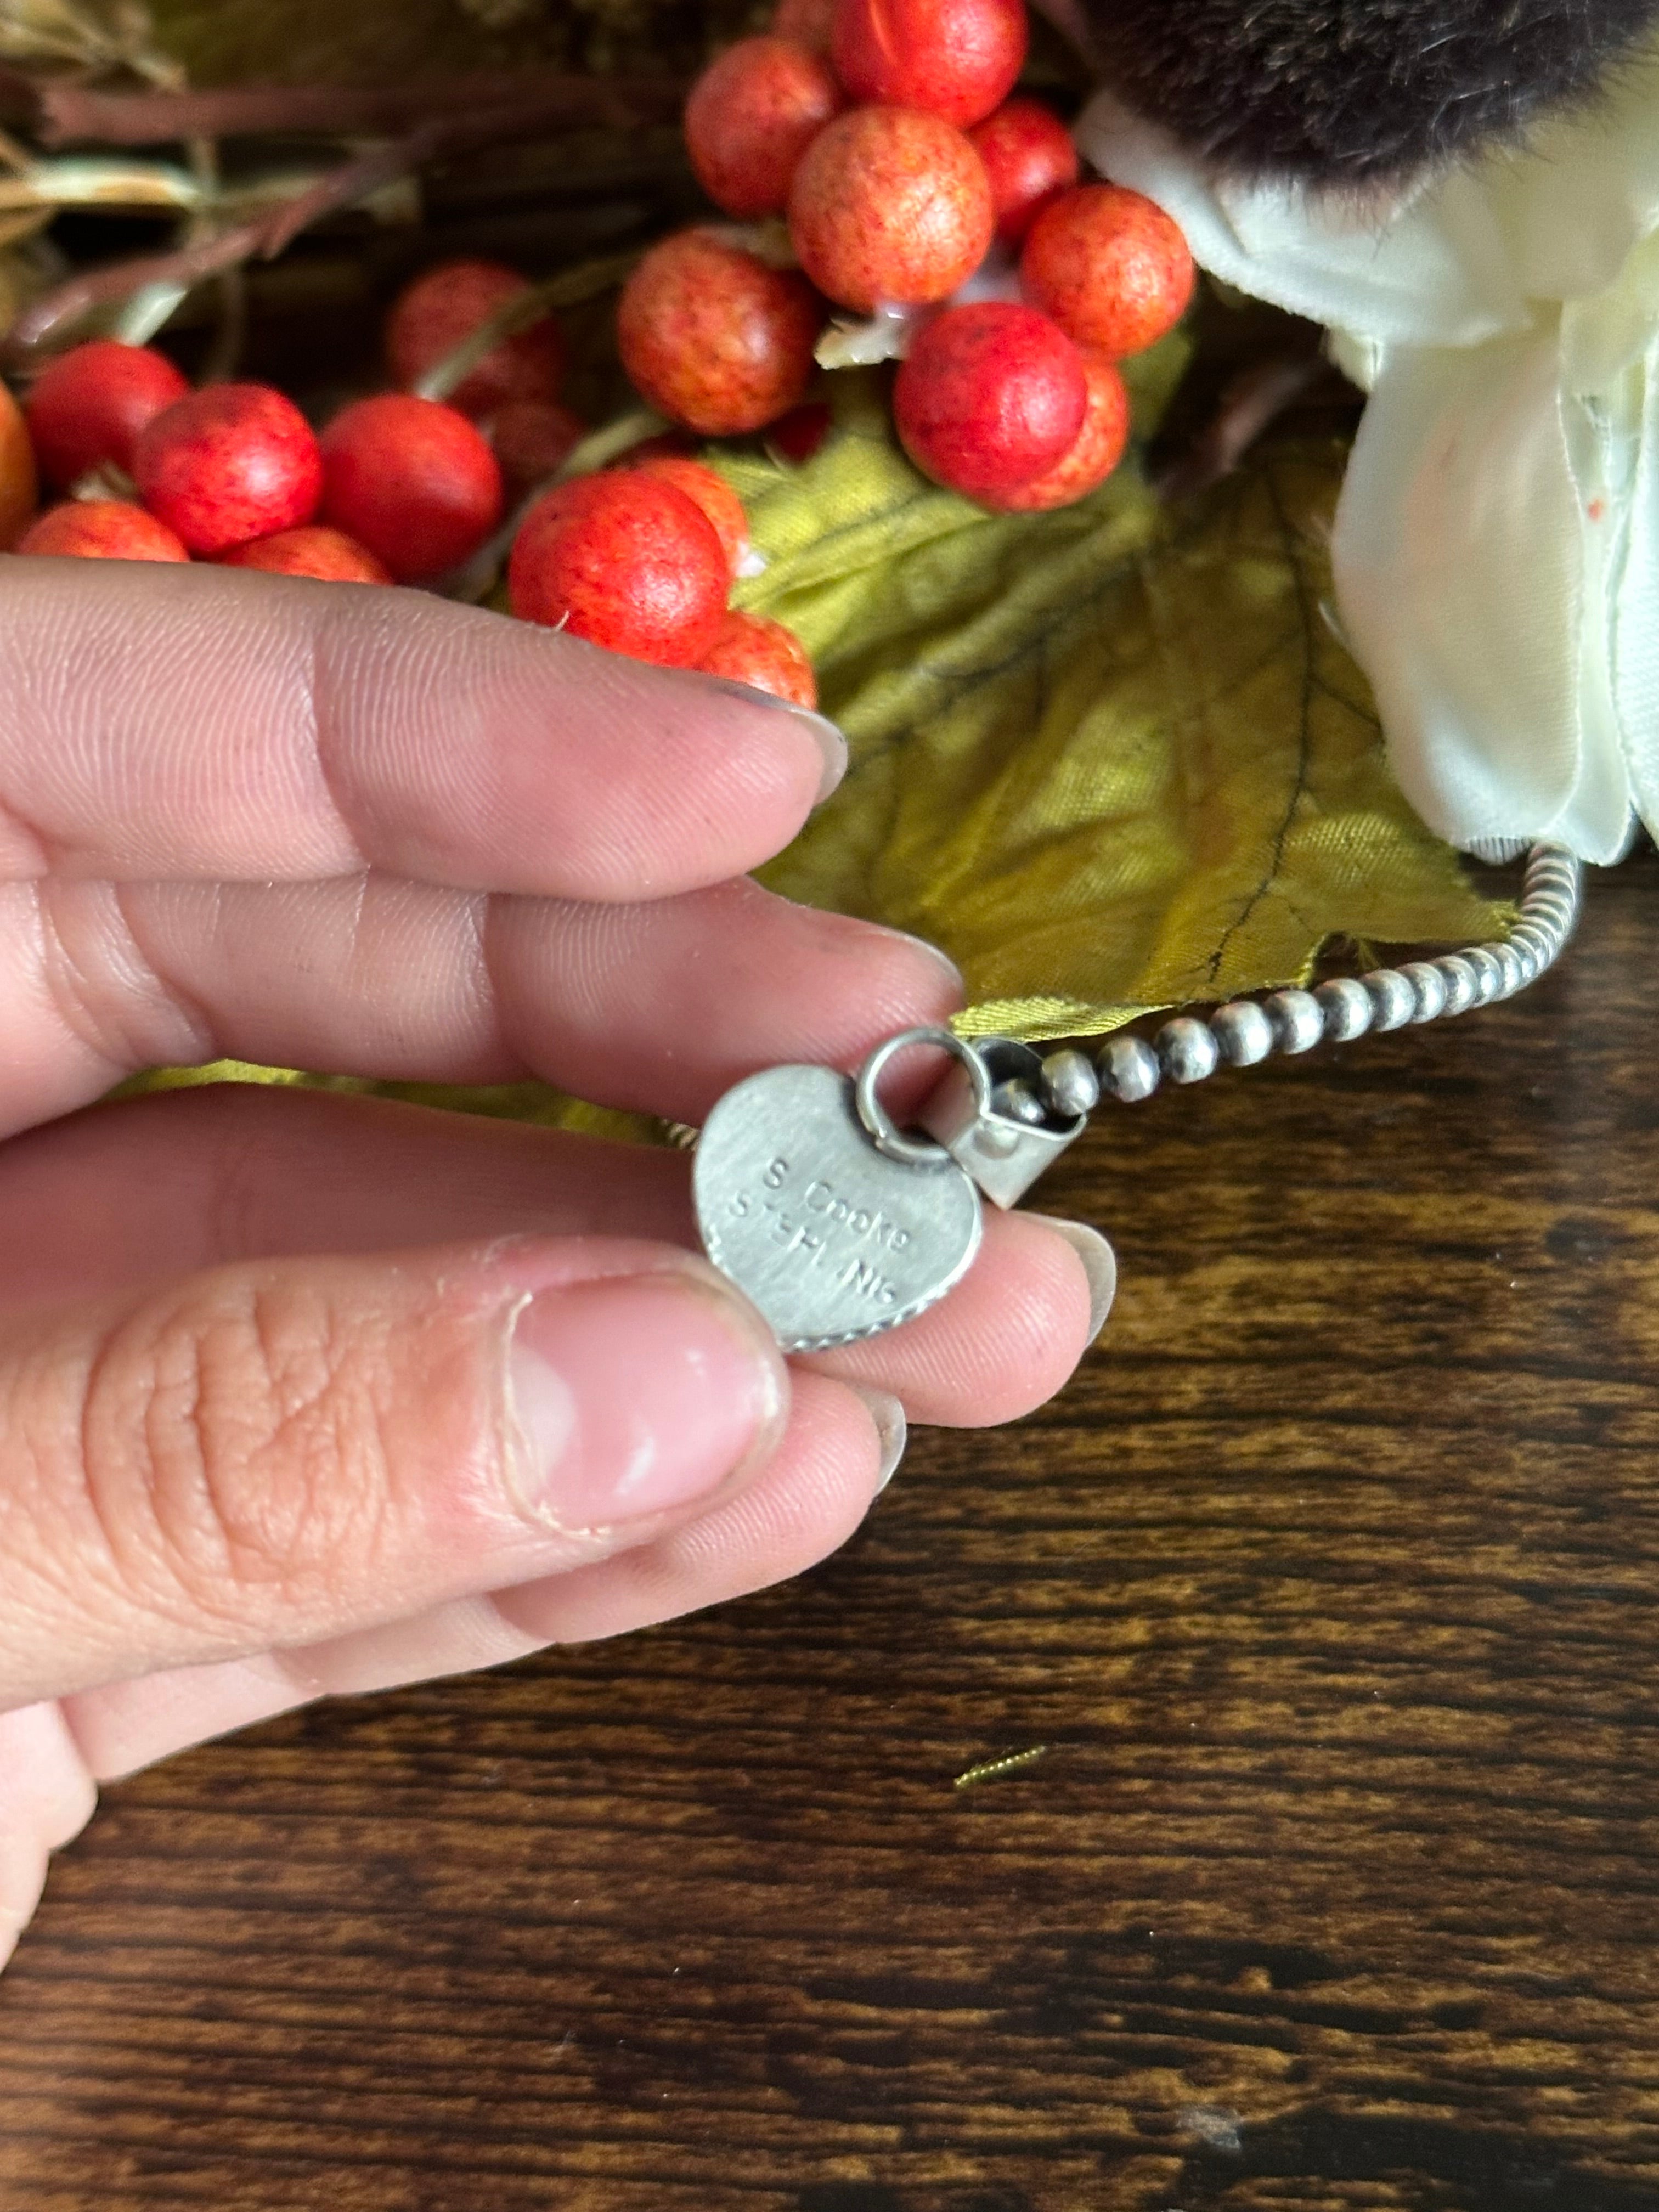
444, 138
69, 114
1250, 405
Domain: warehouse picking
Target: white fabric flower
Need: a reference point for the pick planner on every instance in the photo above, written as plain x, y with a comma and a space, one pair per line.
1496, 545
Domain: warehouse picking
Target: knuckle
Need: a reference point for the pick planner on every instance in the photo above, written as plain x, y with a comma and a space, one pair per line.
233, 1443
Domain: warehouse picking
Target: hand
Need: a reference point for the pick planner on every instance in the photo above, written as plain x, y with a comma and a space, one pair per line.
303, 1394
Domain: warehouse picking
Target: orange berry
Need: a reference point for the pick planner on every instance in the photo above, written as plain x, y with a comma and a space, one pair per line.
626, 561
413, 481
712, 494
990, 396
87, 408
443, 306
958, 58
755, 650
1030, 157
795, 437
532, 438
232, 462
714, 338
891, 207
1111, 268
315, 550
750, 116
1097, 451
17, 485
102, 530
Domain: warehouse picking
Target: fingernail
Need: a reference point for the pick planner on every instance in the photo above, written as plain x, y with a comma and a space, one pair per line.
891, 1427
828, 739
1099, 1264
635, 1397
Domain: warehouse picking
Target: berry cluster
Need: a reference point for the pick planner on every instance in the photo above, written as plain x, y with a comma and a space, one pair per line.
397, 490
403, 488
641, 558
883, 132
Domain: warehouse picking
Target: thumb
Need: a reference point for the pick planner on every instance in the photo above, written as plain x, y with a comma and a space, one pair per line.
271, 1453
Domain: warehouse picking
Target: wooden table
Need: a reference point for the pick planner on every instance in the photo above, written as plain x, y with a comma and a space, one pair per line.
1329, 1589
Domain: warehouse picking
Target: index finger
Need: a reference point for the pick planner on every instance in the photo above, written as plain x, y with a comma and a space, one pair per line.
221, 723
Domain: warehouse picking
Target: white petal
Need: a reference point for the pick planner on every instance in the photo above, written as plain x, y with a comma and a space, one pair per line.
1461, 579
1579, 197
1416, 269
1636, 611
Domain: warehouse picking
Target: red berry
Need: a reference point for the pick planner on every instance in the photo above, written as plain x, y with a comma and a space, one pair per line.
1111, 268
235, 461
713, 338
625, 561
1095, 451
750, 116
532, 438
712, 494
891, 207
316, 550
806, 21
17, 484
991, 396
411, 480
101, 530
958, 59
88, 407
752, 649
795, 437
1030, 157
442, 307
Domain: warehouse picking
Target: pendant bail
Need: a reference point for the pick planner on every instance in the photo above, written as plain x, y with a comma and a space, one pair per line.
1003, 1155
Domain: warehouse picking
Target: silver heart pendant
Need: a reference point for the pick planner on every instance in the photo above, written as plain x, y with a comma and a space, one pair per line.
831, 1239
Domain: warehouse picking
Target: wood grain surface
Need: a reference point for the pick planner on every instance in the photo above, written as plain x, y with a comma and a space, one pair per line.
1329, 1586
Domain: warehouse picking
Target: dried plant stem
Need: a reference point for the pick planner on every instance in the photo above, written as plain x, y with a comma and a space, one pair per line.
70, 113
445, 137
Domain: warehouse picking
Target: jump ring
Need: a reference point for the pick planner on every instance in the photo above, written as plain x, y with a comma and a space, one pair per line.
885, 1132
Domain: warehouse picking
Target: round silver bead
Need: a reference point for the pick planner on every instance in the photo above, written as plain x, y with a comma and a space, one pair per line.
1346, 1006
1509, 967
1463, 989
1073, 1086
1393, 1002
1429, 988
1488, 974
1187, 1049
1128, 1069
1015, 1100
1536, 946
1528, 959
1298, 1020
1244, 1032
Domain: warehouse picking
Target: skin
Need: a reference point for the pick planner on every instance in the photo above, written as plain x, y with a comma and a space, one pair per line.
253, 1343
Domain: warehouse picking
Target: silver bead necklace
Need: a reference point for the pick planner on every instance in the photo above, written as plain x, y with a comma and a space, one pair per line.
840, 1225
